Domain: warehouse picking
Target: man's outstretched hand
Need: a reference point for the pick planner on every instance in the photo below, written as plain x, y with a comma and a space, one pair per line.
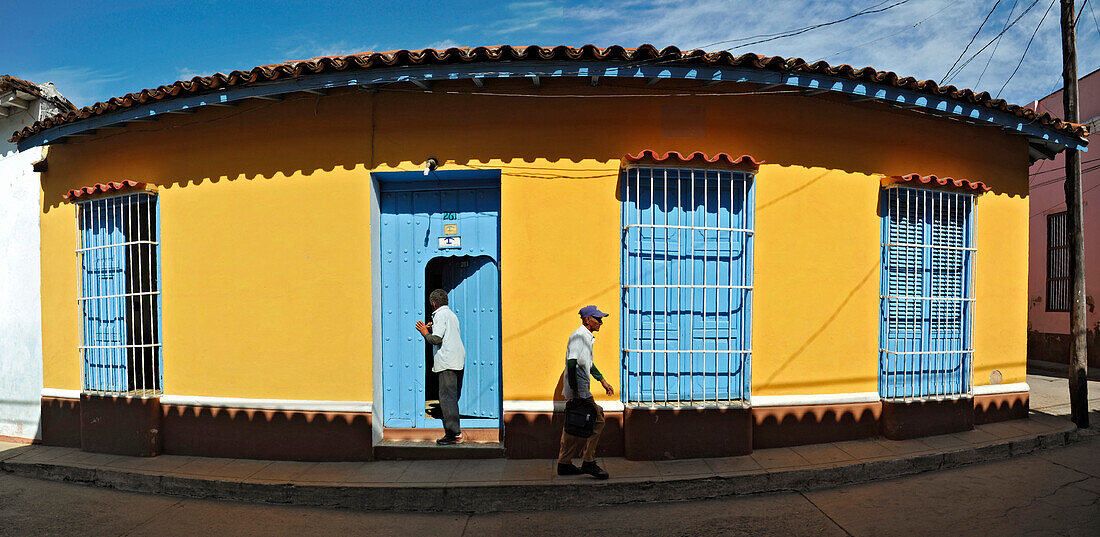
607, 387
424, 329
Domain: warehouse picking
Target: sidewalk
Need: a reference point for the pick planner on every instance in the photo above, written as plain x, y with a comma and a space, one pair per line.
510, 485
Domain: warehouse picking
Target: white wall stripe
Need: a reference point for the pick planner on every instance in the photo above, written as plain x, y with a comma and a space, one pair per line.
298, 405
817, 399
555, 406
757, 400
993, 389
60, 394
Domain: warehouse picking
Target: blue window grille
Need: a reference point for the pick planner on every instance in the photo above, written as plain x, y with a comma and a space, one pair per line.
687, 286
119, 251
926, 303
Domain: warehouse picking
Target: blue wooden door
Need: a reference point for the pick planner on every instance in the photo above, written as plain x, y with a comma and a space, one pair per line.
103, 297
472, 285
416, 229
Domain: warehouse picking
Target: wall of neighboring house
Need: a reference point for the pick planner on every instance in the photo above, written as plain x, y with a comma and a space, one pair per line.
1048, 330
266, 231
20, 297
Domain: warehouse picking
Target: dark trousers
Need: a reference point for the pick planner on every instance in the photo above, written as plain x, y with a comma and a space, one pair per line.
450, 388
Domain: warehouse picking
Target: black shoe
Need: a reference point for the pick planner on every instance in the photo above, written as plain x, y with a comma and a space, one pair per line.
594, 470
568, 469
448, 440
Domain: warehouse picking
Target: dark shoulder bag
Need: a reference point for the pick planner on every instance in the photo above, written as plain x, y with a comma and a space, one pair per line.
580, 417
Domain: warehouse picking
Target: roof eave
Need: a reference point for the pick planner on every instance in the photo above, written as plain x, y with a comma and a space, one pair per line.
1043, 138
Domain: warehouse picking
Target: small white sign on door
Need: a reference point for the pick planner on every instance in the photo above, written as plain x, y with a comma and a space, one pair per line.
450, 241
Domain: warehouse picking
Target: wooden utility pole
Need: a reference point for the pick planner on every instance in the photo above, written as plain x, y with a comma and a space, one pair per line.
1078, 346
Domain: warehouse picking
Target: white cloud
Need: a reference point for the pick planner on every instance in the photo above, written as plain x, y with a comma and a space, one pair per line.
185, 73
920, 38
81, 85
444, 44
304, 48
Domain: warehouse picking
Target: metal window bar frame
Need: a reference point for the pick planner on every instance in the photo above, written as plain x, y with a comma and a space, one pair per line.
1058, 260
634, 343
914, 356
137, 281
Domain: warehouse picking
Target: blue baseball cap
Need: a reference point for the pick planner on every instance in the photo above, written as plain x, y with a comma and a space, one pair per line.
592, 311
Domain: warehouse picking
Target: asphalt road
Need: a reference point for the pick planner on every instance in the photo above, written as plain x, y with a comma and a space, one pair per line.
1054, 492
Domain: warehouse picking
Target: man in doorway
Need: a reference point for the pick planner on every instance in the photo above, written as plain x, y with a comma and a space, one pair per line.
578, 368
449, 359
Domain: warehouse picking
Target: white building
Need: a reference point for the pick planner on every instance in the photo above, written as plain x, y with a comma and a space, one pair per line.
21, 104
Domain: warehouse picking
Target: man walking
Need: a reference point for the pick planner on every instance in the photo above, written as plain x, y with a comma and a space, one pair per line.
578, 367
449, 359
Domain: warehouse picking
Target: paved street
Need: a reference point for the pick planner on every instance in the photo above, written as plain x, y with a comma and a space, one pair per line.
1055, 492
1052, 492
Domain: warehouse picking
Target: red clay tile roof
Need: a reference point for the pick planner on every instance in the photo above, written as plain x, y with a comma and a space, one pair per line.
698, 157
102, 188
10, 83
669, 55
943, 181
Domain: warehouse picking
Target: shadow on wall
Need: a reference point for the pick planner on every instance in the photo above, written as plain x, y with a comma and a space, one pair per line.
537, 435
1044, 347
798, 425
770, 381
262, 140
1006, 407
266, 434
60, 423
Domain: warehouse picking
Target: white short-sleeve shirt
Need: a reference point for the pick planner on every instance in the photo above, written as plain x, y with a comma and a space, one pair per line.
451, 354
579, 348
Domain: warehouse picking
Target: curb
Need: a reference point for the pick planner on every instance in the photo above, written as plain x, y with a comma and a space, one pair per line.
486, 498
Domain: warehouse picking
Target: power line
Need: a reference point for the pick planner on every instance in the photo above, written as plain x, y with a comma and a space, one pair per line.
995, 47
1097, 24
1024, 55
991, 41
1052, 170
892, 34
971, 42
764, 38
800, 31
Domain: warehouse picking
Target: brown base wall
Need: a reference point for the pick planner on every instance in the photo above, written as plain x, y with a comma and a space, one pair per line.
537, 435
267, 434
18, 440
1000, 407
1045, 347
902, 421
783, 426
116, 425
60, 422
120, 425
686, 433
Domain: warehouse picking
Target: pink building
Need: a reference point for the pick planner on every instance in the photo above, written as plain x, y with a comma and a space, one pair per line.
1048, 256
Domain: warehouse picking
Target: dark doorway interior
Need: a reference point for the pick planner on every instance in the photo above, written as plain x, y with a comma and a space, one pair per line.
433, 279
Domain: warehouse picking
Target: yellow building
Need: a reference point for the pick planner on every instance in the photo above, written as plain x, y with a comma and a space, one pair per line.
232, 265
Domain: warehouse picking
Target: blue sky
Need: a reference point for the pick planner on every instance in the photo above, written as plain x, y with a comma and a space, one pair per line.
95, 50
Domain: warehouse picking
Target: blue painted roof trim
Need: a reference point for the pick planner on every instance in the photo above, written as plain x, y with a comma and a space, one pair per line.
436, 180
938, 105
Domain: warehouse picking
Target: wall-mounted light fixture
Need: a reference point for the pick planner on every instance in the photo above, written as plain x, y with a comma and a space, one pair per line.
430, 165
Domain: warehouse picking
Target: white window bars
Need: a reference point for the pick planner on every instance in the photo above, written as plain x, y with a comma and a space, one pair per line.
687, 286
118, 245
926, 294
